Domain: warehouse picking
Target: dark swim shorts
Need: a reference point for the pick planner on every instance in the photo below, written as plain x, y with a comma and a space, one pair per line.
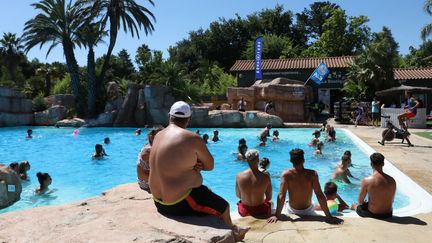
363, 211
199, 201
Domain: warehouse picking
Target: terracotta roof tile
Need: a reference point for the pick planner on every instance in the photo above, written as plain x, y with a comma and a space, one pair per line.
413, 73
293, 63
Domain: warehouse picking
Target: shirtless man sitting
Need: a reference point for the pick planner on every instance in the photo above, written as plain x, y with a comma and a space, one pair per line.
176, 159
300, 183
342, 171
380, 188
254, 188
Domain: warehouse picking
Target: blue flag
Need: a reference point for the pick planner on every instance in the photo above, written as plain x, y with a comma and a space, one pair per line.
258, 58
320, 74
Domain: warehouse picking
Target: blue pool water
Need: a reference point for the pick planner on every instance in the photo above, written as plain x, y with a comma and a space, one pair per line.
67, 159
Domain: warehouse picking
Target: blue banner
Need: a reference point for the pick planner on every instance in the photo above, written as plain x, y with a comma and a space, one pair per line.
320, 74
258, 58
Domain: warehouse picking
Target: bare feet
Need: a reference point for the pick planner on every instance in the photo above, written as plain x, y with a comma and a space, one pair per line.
239, 232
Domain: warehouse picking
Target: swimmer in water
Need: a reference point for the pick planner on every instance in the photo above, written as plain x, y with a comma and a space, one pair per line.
215, 137
320, 146
99, 152
242, 149
107, 140
138, 132
275, 135
29, 134
44, 181
205, 137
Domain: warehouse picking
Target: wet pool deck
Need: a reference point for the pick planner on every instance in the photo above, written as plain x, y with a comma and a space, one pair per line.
416, 162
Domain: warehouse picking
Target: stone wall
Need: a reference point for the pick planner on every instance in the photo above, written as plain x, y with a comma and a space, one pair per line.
288, 96
15, 109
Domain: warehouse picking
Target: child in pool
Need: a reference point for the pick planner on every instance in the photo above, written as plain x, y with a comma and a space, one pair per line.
44, 181
264, 164
215, 137
315, 139
263, 141
320, 146
99, 152
342, 171
205, 137
242, 148
330, 191
275, 135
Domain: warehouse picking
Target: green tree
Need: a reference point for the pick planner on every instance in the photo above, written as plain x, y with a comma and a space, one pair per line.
373, 68
341, 36
150, 63
274, 47
311, 21
90, 35
11, 53
49, 73
57, 23
427, 29
419, 57
116, 13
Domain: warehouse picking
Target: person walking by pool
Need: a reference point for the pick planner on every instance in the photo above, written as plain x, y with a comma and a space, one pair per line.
254, 189
330, 191
375, 112
411, 112
242, 149
29, 134
99, 152
380, 188
143, 167
44, 181
315, 140
300, 183
275, 135
107, 140
176, 160
215, 137
319, 148
342, 172
242, 105
360, 114
205, 138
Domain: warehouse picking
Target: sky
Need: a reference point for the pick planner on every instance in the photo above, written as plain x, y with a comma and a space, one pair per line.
176, 18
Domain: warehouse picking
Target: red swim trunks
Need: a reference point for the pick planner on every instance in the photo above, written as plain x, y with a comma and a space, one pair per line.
409, 114
263, 209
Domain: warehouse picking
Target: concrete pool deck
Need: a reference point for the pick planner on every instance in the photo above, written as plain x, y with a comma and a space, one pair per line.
416, 162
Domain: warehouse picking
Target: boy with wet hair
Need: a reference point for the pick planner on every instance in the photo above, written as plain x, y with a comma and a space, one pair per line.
330, 191
44, 181
320, 146
99, 152
242, 148
264, 164
29, 134
315, 139
275, 135
215, 137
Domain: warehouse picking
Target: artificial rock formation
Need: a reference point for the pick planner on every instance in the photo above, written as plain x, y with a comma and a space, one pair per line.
15, 109
50, 116
288, 96
10, 186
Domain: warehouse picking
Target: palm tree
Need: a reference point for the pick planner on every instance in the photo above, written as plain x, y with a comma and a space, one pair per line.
90, 35
11, 51
427, 29
57, 23
126, 13
49, 73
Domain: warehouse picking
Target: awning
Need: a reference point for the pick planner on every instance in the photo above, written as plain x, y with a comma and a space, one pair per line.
401, 89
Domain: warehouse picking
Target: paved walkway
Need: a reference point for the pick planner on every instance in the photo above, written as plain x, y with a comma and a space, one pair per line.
416, 162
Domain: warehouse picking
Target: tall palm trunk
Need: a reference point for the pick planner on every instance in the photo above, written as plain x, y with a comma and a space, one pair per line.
91, 83
73, 71
105, 66
47, 90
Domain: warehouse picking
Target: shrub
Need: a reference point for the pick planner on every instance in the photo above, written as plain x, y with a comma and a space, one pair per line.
39, 103
62, 86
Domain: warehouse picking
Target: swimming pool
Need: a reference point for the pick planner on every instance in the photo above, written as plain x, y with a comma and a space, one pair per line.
67, 159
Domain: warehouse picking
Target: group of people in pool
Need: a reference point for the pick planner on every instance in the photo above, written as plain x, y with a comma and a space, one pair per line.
169, 168
21, 169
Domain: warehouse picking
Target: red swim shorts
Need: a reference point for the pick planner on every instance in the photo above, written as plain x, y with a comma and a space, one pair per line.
409, 114
260, 210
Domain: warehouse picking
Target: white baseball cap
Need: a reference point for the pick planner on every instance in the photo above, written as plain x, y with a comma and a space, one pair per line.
180, 109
